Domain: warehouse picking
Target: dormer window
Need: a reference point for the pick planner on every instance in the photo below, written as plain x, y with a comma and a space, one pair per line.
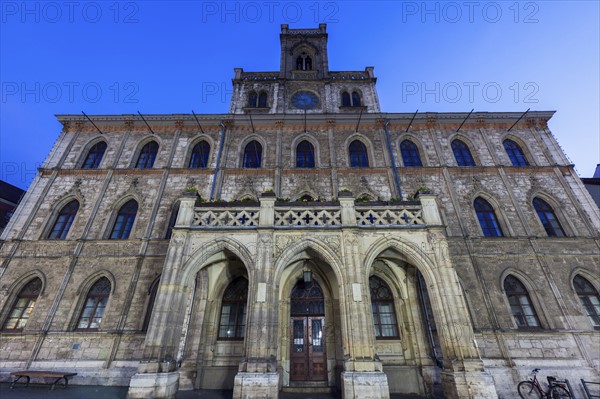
257, 100
304, 62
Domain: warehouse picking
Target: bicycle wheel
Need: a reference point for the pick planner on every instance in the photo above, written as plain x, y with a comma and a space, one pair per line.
527, 390
559, 393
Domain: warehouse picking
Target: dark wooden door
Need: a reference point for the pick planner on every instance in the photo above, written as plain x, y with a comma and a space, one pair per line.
308, 355
308, 360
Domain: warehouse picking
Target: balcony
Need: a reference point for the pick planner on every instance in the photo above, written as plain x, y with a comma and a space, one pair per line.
269, 213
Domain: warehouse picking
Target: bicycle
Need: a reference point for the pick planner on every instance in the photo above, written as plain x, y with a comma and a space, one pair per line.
557, 389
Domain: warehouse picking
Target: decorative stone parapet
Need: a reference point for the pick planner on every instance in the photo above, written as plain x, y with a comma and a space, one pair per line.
345, 213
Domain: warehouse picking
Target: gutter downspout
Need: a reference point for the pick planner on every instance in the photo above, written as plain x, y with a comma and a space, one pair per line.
222, 142
389, 143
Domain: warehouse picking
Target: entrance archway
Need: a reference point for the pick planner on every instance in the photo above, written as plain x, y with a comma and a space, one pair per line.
308, 359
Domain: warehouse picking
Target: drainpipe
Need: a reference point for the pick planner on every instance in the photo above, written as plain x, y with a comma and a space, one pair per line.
221, 143
389, 142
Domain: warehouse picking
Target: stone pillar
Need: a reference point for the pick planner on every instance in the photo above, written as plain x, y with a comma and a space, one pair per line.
257, 376
157, 376
363, 375
464, 375
431, 214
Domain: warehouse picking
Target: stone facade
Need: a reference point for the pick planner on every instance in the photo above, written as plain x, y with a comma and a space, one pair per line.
162, 324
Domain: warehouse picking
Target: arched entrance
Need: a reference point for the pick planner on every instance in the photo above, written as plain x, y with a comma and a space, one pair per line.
308, 359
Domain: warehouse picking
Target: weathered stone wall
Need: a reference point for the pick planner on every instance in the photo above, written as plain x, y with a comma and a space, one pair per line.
546, 265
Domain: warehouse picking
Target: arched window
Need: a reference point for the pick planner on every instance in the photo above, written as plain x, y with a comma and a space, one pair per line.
589, 299
95, 305
382, 303
23, 305
487, 218
358, 155
548, 218
232, 324
410, 154
64, 220
199, 158
252, 99
94, 156
253, 155
515, 153
462, 153
305, 155
124, 221
262, 100
151, 299
356, 99
346, 99
520, 303
172, 220
304, 62
147, 156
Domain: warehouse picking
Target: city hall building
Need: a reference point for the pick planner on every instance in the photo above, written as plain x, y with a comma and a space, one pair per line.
304, 240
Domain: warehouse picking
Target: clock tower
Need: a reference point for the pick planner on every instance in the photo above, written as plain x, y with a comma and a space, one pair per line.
304, 83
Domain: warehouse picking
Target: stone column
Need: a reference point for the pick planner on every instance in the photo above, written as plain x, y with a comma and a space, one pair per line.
157, 376
464, 375
363, 375
257, 376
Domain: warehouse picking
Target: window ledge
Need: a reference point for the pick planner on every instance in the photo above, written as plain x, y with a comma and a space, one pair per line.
352, 108
258, 110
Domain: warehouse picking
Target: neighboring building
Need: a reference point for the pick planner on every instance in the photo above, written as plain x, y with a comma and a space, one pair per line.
593, 185
9, 199
487, 267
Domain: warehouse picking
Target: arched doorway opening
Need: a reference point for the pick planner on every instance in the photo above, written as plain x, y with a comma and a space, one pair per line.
310, 346
308, 360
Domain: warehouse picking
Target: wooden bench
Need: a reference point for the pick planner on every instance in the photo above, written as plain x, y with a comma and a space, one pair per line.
59, 375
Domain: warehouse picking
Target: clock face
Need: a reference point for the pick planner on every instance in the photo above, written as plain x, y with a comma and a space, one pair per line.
305, 100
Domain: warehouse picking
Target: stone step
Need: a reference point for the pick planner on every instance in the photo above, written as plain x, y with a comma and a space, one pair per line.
308, 389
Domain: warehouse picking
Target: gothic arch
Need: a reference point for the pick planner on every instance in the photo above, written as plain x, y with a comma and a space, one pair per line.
417, 142
23, 280
563, 219
198, 260
588, 275
82, 292
293, 252
87, 147
507, 230
242, 147
468, 142
524, 147
140, 145
316, 147
532, 291
15, 288
366, 142
455, 328
58, 206
195, 140
304, 45
114, 210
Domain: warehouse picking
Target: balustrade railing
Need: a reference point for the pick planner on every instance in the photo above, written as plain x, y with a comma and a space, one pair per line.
345, 213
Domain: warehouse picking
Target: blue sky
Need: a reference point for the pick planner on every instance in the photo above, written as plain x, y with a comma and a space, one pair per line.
173, 57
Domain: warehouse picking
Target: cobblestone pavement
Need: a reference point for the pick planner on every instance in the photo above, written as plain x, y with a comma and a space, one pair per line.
41, 391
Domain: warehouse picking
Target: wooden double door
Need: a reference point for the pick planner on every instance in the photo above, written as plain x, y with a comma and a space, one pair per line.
308, 355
